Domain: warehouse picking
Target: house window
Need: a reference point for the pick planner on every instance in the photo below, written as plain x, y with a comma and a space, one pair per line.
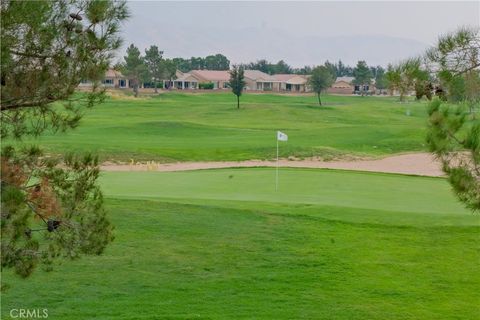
108, 82
267, 86
259, 86
226, 85
122, 83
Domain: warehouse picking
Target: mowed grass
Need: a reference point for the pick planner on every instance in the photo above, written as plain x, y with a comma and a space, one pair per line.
357, 196
199, 127
221, 244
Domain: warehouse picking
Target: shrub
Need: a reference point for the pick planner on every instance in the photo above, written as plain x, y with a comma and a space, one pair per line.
206, 85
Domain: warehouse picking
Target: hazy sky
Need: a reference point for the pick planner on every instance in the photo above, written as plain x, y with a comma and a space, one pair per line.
199, 28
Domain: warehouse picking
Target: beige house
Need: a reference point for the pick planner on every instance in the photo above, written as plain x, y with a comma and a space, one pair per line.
113, 79
344, 85
192, 79
182, 81
260, 81
219, 78
292, 82
256, 80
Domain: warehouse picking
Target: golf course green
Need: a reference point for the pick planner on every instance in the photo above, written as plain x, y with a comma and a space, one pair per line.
224, 244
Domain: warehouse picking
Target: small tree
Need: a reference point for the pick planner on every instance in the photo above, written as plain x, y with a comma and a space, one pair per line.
454, 132
135, 68
320, 80
407, 76
155, 65
363, 76
237, 82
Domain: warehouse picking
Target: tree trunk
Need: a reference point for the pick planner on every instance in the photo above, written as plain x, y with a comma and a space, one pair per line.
319, 100
135, 90
155, 84
238, 102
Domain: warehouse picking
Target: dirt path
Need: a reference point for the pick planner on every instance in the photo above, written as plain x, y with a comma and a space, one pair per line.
415, 163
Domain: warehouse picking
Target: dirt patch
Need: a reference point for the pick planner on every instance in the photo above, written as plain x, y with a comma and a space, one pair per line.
422, 164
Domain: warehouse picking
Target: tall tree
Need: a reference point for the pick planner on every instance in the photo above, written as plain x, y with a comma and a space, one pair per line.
305, 70
282, 68
261, 65
170, 69
320, 80
237, 82
155, 65
380, 79
181, 64
217, 62
51, 207
135, 68
197, 63
454, 132
332, 68
340, 69
363, 76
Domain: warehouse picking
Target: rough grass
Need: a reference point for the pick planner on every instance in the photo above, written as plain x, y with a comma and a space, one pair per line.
198, 127
335, 245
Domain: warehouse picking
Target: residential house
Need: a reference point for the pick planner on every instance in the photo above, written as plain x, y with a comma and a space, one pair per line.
260, 81
219, 78
292, 82
113, 79
182, 81
344, 85
192, 79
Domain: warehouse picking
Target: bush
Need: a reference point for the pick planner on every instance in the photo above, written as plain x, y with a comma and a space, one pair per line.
206, 85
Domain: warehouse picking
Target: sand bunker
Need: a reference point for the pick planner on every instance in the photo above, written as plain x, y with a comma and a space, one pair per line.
422, 164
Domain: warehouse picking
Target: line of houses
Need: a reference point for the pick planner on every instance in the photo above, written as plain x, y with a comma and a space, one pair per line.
255, 81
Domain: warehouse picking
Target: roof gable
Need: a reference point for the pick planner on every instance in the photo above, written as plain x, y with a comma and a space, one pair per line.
211, 75
258, 75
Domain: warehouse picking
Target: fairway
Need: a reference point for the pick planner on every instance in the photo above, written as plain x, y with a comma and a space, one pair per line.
207, 126
222, 244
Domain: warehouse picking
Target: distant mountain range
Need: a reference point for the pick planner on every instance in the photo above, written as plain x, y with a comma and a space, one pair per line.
250, 44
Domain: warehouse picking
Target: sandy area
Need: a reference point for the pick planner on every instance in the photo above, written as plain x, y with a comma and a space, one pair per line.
415, 164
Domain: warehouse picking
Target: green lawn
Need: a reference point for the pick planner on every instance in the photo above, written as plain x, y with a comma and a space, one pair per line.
221, 244
193, 127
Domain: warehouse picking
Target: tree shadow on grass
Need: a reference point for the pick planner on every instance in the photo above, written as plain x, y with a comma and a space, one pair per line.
322, 107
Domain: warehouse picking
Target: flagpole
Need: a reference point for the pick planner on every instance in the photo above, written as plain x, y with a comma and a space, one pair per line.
276, 175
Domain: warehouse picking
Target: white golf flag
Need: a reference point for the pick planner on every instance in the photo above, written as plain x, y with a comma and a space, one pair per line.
281, 136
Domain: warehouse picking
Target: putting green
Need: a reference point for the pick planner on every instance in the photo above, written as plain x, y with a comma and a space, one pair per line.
365, 197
